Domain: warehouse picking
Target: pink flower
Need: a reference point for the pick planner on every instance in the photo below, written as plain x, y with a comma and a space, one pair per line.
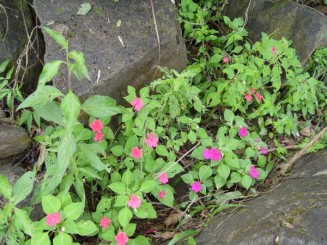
121, 238
136, 153
248, 97
254, 173
134, 201
225, 59
163, 178
252, 90
213, 154
137, 103
53, 219
243, 132
105, 222
162, 194
263, 150
96, 126
98, 136
151, 140
196, 186
259, 97
273, 50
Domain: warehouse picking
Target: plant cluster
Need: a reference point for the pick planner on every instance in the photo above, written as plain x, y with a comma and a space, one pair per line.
211, 126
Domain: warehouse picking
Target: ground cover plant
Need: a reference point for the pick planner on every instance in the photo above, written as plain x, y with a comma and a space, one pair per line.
219, 127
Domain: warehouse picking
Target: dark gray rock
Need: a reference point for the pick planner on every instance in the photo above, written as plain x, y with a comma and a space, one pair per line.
97, 36
293, 214
16, 24
304, 26
13, 140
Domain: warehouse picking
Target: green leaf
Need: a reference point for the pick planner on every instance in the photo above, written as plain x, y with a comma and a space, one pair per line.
83, 9
90, 152
78, 68
118, 23
23, 187
124, 216
50, 204
49, 70
50, 112
86, 228
23, 221
130, 229
74, 210
229, 116
148, 186
235, 177
41, 96
161, 150
56, 36
62, 239
117, 150
121, 201
246, 181
219, 182
3, 65
223, 170
183, 235
205, 172
119, 188
127, 177
70, 108
5, 190
104, 204
100, 106
40, 239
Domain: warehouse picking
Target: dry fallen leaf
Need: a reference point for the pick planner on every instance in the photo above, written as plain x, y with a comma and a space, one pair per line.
167, 235
173, 219
306, 131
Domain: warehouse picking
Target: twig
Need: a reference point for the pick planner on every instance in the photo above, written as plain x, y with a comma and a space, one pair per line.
287, 166
234, 211
246, 14
288, 147
7, 22
158, 39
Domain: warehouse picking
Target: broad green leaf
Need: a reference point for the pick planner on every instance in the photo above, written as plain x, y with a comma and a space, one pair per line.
56, 36
49, 70
74, 210
140, 240
83, 9
150, 164
40, 239
118, 187
117, 150
62, 238
229, 116
86, 228
100, 106
50, 204
205, 172
118, 23
246, 181
223, 170
219, 181
3, 65
161, 150
23, 187
78, 68
127, 177
235, 177
124, 216
130, 229
121, 201
148, 186
41, 96
70, 108
5, 190
104, 204
90, 152
23, 221
70, 226
50, 112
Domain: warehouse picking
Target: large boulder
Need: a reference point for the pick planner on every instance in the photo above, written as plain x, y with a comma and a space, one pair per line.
115, 56
293, 214
304, 26
13, 140
18, 44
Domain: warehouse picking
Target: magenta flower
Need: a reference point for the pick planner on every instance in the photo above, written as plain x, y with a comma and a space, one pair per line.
248, 97
273, 50
254, 173
105, 222
151, 140
96, 126
163, 178
162, 194
252, 90
213, 154
243, 132
263, 150
225, 59
136, 153
121, 238
137, 104
98, 136
134, 201
53, 219
259, 97
196, 186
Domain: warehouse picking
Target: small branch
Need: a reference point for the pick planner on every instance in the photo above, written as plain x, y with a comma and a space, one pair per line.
287, 166
158, 38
